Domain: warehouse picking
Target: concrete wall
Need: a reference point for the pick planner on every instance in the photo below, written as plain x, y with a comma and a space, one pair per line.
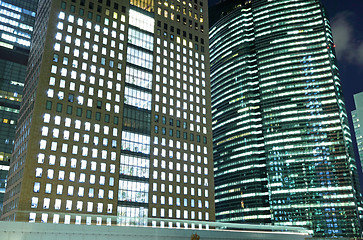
48, 231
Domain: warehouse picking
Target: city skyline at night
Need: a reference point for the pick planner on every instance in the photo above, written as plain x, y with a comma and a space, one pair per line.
176, 114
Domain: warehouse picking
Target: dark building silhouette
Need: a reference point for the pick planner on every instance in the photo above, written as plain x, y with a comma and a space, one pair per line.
16, 28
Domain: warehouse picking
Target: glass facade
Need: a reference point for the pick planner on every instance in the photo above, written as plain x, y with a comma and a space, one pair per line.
135, 156
16, 27
240, 163
357, 116
282, 147
16, 23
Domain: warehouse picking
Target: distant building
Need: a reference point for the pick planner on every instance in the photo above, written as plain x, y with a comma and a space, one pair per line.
16, 27
282, 146
116, 117
357, 116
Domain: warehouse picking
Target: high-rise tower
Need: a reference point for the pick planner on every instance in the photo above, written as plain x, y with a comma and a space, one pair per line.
16, 27
116, 116
357, 116
282, 146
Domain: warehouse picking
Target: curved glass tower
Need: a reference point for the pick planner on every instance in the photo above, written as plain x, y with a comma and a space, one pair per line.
282, 146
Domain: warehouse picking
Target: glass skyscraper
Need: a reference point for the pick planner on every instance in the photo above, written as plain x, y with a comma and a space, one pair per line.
357, 116
282, 146
16, 27
115, 124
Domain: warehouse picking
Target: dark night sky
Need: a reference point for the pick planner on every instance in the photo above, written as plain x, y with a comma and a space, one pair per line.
346, 18
347, 23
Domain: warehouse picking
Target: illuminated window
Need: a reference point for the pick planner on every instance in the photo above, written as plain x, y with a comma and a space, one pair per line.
81, 191
46, 203
57, 204
59, 189
48, 188
36, 187
72, 176
68, 205
79, 205
34, 203
61, 175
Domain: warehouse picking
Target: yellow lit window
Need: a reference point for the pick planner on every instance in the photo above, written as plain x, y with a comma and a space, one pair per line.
115, 15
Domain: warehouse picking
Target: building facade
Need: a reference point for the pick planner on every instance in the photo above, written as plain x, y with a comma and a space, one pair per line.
357, 116
16, 27
282, 147
116, 115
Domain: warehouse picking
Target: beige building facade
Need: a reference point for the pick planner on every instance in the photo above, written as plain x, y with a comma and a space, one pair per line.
116, 117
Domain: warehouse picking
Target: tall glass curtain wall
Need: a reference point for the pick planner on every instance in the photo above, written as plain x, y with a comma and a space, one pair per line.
240, 163
282, 146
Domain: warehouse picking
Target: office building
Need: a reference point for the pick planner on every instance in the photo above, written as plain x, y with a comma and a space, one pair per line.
282, 146
116, 117
16, 27
357, 116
